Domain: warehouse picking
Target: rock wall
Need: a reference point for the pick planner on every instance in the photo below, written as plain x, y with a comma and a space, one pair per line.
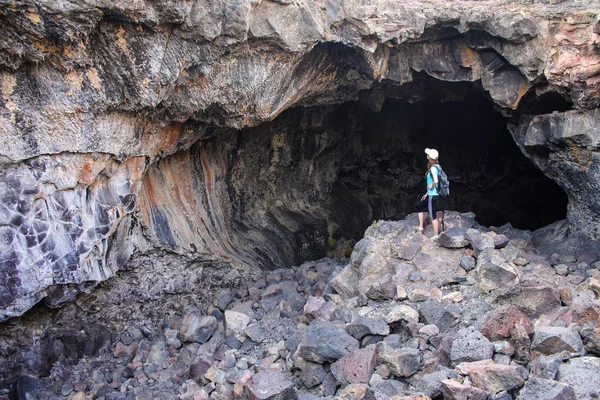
95, 94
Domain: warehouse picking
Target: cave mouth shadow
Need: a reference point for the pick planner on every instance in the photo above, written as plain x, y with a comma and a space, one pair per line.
317, 177
489, 174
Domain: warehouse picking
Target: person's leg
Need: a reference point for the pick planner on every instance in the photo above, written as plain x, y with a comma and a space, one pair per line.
432, 205
436, 227
421, 207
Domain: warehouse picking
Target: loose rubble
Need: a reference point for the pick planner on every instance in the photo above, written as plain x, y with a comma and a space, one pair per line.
478, 314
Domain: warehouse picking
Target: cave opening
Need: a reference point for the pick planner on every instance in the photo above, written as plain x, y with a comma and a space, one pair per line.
331, 170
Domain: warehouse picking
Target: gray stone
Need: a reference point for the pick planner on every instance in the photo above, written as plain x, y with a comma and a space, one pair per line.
197, 328
272, 385
224, 298
454, 238
368, 326
312, 374
479, 240
545, 367
431, 384
256, 332
326, 341
493, 272
402, 362
551, 340
546, 389
470, 345
583, 374
467, 263
386, 390
442, 315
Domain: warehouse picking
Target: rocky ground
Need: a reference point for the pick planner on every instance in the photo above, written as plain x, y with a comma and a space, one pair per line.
477, 313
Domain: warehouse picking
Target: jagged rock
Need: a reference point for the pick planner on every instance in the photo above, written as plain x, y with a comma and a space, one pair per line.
493, 272
494, 378
326, 341
546, 389
346, 282
312, 374
236, 322
470, 345
224, 298
467, 263
353, 391
256, 332
386, 390
551, 340
402, 313
479, 240
355, 367
197, 328
431, 384
583, 374
271, 385
545, 367
454, 238
453, 390
533, 301
443, 316
500, 323
368, 326
402, 362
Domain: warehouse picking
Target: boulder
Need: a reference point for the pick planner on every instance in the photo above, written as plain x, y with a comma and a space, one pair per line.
545, 367
355, 367
402, 313
431, 384
386, 390
454, 238
470, 345
453, 390
495, 378
532, 301
479, 240
442, 315
312, 374
546, 389
197, 328
346, 282
368, 326
583, 374
326, 341
493, 272
271, 385
236, 322
402, 362
553, 339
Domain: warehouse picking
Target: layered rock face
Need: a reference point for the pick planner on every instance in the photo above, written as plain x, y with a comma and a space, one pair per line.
118, 121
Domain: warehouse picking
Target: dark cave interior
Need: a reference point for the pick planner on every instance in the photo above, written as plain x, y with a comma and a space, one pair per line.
341, 167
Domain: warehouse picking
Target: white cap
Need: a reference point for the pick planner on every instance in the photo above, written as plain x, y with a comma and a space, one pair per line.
432, 153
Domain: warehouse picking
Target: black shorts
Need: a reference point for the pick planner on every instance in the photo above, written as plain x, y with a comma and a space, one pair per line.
429, 204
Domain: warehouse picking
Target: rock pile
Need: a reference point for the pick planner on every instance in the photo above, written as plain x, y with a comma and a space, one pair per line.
475, 314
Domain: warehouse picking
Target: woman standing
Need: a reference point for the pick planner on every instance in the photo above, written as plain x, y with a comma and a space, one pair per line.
429, 200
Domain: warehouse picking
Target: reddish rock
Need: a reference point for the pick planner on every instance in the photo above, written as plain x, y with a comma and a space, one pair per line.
127, 352
355, 367
499, 323
496, 378
452, 390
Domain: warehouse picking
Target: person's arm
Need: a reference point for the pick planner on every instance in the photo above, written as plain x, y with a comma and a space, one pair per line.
434, 177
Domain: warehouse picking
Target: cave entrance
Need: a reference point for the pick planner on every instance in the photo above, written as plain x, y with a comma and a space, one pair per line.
331, 170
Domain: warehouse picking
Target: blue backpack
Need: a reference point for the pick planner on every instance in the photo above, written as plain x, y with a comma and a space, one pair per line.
443, 186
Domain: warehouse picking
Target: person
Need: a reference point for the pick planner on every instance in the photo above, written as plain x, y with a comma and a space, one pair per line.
429, 200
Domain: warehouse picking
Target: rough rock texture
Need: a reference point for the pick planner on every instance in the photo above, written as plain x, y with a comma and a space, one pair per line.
101, 104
